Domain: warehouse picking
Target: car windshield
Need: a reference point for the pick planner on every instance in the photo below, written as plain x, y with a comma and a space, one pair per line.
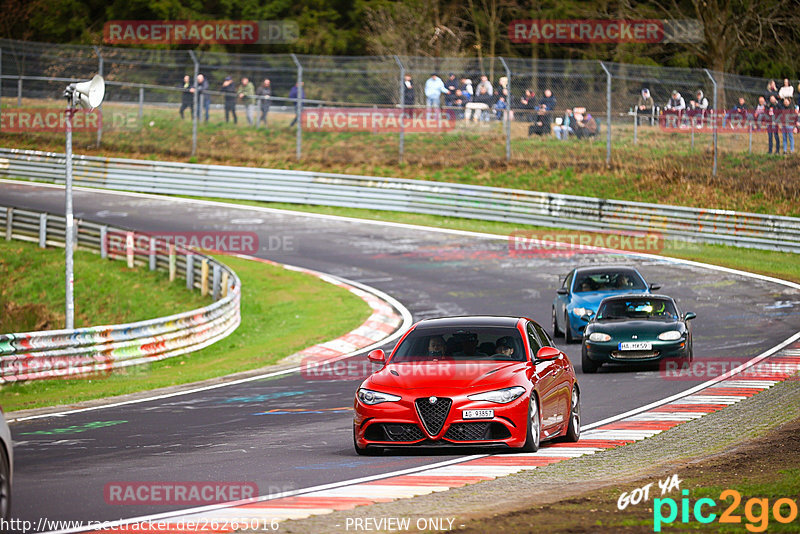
608, 281
637, 308
461, 344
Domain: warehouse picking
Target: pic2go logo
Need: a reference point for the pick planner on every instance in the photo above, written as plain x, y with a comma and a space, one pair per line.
757, 511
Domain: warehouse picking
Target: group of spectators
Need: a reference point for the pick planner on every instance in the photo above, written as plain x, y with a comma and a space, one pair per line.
252, 98
486, 101
776, 112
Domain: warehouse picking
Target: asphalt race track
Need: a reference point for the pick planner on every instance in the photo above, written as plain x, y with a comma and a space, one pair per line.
246, 433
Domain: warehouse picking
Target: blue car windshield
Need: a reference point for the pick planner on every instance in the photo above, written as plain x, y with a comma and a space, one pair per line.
637, 308
608, 281
461, 344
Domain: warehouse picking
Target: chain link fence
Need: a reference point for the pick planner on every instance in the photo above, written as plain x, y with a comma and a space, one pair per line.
557, 112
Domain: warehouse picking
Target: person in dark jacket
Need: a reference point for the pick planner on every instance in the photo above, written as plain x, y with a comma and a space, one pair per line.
548, 101
408, 91
451, 85
229, 89
204, 98
787, 124
774, 112
187, 96
541, 124
264, 93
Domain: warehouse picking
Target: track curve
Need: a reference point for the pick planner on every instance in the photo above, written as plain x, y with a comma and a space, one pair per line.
240, 433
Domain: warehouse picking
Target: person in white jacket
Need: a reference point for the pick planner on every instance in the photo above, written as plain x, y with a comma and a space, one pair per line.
787, 91
434, 89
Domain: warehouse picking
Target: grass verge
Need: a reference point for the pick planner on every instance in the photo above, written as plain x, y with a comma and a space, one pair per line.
783, 265
282, 312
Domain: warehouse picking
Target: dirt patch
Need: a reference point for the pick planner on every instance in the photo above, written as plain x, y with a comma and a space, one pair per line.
26, 317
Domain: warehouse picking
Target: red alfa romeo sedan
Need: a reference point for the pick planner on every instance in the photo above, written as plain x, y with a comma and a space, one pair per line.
468, 381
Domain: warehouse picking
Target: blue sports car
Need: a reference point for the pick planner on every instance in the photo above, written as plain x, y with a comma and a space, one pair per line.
584, 287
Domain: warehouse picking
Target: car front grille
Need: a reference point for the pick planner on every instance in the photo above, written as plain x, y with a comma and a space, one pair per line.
467, 431
634, 354
433, 415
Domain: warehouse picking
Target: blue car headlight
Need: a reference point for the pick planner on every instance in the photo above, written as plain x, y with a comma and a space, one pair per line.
583, 312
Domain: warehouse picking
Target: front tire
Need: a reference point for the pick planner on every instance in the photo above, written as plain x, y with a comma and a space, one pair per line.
556, 331
534, 434
574, 429
587, 365
568, 330
5, 485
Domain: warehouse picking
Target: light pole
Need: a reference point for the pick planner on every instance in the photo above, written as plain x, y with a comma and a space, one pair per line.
85, 95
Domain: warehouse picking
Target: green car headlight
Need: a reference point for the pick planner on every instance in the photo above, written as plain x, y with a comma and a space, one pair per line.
670, 335
599, 336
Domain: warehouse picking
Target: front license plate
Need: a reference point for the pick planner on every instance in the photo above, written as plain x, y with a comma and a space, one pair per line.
477, 414
635, 345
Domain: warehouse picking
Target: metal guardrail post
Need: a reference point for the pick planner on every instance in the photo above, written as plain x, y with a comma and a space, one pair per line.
508, 111
19, 92
1, 81
189, 271
401, 146
43, 230
173, 262
635, 125
104, 242
152, 254
100, 107
215, 279
299, 107
195, 103
608, 114
714, 105
141, 103
9, 222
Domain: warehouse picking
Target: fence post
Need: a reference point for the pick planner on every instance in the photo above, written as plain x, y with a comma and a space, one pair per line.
100, 107
9, 223
299, 107
141, 103
714, 82
608, 114
195, 103
635, 125
750, 134
129, 252
173, 263
19, 91
204, 277
508, 111
43, 230
401, 147
1, 80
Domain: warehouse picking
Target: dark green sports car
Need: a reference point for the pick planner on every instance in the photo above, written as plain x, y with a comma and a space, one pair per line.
636, 328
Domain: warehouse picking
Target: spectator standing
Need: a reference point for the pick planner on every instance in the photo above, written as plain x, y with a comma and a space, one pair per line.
187, 96
434, 88
296, 94
772, 89
738, 115
408, 91
487, 84
204, 101
787, 91
773, 110
248, 95
548, 100
230, 98
645, 105
451, 86
264, 94
788, 122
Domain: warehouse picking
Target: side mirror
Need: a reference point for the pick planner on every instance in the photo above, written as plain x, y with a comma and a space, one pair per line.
562, 291
688, 316
377, 356
655, 287
548, 353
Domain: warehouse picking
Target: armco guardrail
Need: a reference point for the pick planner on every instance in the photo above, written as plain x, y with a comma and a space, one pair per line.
59, 353
458, 200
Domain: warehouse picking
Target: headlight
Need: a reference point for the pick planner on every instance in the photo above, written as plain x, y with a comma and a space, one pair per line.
500, 396
599, 336
670, 335
367, 396
580, 312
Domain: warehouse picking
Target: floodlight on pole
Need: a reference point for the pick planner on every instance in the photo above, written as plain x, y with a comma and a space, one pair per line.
87, 95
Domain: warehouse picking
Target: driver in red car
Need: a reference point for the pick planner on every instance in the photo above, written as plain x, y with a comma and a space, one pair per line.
504, 346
